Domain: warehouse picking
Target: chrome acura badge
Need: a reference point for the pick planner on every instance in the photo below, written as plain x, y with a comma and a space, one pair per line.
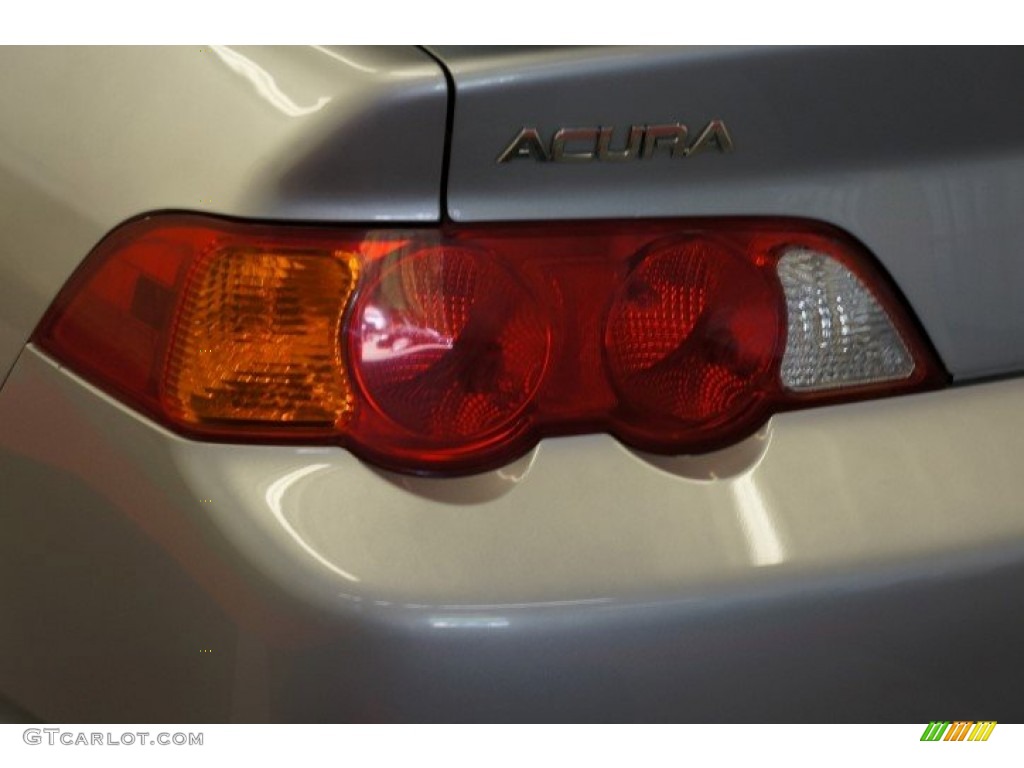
581, 145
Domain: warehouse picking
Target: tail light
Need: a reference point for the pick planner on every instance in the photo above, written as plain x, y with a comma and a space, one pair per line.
457, 348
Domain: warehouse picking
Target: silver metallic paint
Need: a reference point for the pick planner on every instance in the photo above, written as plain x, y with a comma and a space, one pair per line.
95, 136
329, 589
917, 152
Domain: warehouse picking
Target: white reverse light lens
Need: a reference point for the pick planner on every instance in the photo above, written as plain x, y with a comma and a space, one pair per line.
838, 333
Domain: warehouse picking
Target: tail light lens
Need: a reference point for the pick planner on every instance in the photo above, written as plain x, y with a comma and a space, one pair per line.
458, 348
448, 343
693, 339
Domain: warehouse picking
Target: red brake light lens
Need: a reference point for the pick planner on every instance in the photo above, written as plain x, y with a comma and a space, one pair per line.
693, 335
447, 342
457, 348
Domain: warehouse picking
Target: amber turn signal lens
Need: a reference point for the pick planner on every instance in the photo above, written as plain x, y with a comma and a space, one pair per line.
258, 339
223, 330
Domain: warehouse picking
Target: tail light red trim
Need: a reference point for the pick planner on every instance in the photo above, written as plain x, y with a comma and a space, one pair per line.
457, 348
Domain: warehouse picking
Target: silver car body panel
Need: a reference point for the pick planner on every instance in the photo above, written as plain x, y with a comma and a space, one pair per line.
919, 153
797, 575
859, 562
95, 136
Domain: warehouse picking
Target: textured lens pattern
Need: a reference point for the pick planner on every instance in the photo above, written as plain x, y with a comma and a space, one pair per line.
692, 333
838, 333
456, 348
258, 340
449, 343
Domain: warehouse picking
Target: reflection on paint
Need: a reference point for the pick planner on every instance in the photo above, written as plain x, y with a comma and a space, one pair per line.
338, 56
763, 542
517, 470
264, 83
274, 496
469, 622
520, 606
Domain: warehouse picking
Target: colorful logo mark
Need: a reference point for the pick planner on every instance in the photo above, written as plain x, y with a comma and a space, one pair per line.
958, 731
